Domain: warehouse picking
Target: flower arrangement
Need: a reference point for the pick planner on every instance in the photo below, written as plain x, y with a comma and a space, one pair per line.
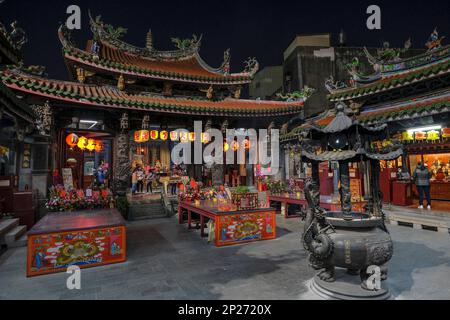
192, 194
62, 200
277, 187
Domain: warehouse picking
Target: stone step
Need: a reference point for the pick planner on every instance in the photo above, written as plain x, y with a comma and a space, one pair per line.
21, 242
15, 234
148, 217
420, 222
6, 225
147, 209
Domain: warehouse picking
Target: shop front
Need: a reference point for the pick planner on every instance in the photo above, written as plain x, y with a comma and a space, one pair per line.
430, 146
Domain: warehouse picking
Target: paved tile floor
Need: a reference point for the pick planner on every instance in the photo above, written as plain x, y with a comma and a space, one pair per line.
167, 261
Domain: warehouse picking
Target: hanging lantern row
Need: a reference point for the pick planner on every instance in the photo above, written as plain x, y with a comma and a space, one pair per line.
84, 143
142, 136
431, 135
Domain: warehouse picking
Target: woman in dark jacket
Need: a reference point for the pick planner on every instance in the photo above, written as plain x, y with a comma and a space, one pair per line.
422, 178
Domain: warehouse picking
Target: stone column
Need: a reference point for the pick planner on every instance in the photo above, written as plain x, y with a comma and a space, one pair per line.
122, 163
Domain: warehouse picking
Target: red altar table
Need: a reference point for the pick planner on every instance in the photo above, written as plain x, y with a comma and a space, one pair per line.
85, 238
287, 200
231, 227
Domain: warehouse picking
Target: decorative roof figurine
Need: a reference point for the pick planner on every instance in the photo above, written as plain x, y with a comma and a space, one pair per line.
434, 42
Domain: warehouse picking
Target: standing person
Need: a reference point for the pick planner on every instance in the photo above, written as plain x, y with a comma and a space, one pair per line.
422, 178
140, 179
149, 178
134, 181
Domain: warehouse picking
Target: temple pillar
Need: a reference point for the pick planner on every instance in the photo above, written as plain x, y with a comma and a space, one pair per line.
122, 165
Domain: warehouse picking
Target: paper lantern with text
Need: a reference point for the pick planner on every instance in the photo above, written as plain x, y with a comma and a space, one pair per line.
445, 132
192, 136
184, 136
420, 135
174, 136
141, 136
163, 135
433, 135
205, 137
72, 140
82, 143
154, 134
98, 146
407, 136
91, 145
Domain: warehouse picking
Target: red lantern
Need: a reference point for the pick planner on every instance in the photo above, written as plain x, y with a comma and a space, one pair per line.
98, 146
72, 140
173, 135
154, 134
141, 136
246, 144
205, 137
184, 136
445, 133
163, 135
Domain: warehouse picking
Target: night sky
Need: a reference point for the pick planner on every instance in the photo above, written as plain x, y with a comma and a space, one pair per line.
261, 29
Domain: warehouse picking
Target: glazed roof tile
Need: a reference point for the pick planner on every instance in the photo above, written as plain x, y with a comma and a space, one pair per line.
389, 81
118, 57
111, 97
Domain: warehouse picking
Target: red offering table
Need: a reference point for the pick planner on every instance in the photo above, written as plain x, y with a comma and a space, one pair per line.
85, 238
287, 200
232, 227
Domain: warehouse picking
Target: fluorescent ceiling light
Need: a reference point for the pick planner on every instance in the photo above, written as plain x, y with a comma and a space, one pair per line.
424, 129
92, 122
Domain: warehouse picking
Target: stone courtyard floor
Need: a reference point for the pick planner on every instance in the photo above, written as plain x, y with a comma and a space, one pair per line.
167, 261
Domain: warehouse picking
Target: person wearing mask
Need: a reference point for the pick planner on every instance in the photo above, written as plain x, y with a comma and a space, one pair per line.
422, 178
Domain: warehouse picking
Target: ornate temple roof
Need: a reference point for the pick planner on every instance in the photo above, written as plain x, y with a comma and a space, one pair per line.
417, 107
111, 97
108, 53
10, 44
14, 105
409, 71
409, 109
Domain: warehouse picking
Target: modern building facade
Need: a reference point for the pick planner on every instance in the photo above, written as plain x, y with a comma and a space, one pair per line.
267, 83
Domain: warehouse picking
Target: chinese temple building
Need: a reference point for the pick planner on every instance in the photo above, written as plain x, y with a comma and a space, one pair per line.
20, 137
411, 97
123, 103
